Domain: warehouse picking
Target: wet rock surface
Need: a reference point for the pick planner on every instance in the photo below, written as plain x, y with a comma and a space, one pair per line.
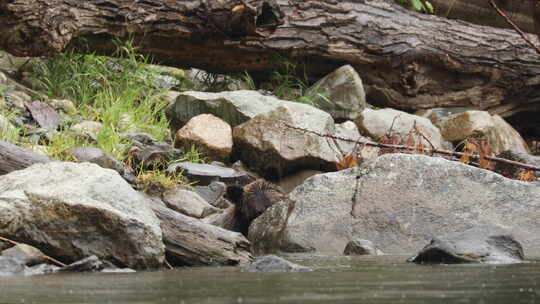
25, 254
89, 264
266, 231
361, 247
10, 266
272, 263
489, 245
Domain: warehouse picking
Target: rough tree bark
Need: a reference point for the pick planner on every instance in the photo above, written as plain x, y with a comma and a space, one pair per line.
408, 60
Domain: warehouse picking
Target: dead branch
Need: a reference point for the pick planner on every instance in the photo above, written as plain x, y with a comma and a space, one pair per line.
514, 26
407, 148
54, 261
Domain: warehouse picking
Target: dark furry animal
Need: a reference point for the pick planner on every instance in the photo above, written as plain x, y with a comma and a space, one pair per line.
249, 202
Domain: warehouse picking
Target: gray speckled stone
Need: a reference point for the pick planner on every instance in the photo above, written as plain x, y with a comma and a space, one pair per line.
77, 210
401, 201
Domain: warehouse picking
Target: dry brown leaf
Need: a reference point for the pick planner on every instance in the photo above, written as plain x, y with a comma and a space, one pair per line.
238, 8
527, 176
484, 163
465, 157
420, 149
348, 161
410, 141
470, 147
485, 151
395, 140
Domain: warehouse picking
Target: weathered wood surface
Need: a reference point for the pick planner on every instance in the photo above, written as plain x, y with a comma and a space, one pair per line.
407, 60
190, 242
14, 158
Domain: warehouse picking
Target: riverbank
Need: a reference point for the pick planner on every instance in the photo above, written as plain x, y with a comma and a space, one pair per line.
144, 167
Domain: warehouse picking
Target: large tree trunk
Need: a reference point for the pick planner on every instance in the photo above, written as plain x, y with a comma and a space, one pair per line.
408, 60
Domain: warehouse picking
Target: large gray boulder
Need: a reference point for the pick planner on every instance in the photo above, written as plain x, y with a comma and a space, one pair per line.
340, 93
378, 123
233, 107
401, 201
269, 145
72, 211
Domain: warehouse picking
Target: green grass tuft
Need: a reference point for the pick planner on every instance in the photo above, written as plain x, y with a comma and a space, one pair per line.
118, 92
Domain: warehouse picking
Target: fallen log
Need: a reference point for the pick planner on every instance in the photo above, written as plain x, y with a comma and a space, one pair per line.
406, 59
190, 242
14, 158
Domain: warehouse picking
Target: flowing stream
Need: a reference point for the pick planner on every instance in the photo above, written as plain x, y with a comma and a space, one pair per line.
385, 279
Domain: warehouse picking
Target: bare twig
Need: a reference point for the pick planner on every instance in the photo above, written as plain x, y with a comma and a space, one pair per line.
54, 261
514, 26
407, 148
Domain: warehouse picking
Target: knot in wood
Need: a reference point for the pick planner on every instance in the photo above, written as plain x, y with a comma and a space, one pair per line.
241, 18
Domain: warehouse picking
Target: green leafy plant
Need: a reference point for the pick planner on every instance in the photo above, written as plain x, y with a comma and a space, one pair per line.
121, 93
192, 155
423, 6
155, 182
286, 84
8, 132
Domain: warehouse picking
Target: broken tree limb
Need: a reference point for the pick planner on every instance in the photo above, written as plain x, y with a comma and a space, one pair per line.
431, 151
481, 12
407, 60
46, 257
514, 26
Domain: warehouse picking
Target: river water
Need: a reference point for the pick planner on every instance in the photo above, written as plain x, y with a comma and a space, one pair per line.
385, 279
